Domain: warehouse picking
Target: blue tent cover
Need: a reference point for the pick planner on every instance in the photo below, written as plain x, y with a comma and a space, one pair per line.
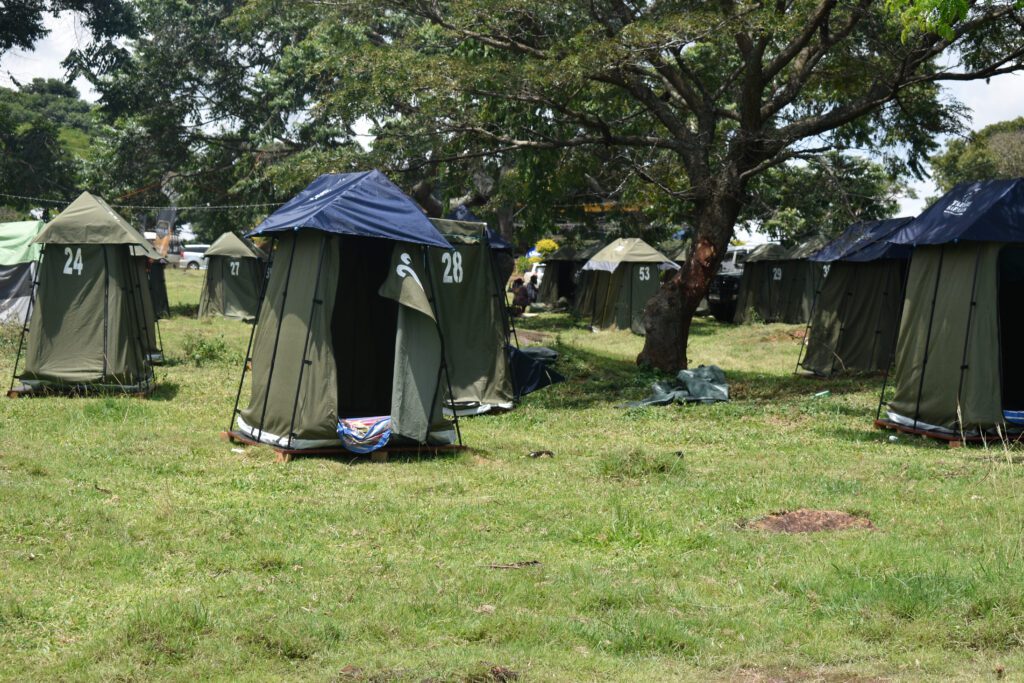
366, 204
865, 241
980, 211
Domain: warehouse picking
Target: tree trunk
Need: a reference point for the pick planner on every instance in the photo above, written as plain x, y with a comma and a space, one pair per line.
668, 315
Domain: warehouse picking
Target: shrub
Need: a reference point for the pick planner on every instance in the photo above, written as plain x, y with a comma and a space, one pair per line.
547, 246
200, 349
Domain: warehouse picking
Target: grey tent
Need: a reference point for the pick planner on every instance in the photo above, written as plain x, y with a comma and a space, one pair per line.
562, 273
778, 284
958, 367
347, 328
18, 256
88, 327
622, 278
474, 318
857, 312
234, 277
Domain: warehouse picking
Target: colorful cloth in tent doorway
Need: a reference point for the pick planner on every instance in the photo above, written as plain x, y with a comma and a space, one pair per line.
364, 434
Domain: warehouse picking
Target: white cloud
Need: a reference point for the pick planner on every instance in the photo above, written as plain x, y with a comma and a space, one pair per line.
66, 33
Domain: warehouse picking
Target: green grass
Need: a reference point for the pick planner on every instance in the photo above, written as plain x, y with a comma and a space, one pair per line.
135, 544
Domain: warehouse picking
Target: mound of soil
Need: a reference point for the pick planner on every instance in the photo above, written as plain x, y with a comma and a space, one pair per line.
805, 521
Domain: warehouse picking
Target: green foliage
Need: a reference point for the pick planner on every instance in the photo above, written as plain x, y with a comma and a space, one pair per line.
547, 246
200, 349
996, 151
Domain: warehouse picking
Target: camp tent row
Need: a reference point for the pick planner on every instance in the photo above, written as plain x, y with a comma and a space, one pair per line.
91, 323
18, 255
234, 277
779, 284
856, 313
563, 273
958, 367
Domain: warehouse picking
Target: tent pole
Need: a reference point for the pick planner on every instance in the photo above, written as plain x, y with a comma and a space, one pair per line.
252, 332
928, 336
277, 335
807, 328
896, 339
28, 313
305, 347
967, 334
106, 307
139, 310
444, 352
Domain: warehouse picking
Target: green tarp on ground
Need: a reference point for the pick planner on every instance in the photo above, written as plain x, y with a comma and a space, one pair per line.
473, 318
346, 330
948, 359
89, 323
856, 318
779, 284
234, 276
621, 279
18, 255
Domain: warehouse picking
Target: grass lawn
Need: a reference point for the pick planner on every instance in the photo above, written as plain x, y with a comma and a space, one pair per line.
135, 544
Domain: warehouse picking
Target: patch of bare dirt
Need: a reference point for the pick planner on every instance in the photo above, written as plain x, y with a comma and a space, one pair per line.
532, 337
805, 521
787, 675
786, 335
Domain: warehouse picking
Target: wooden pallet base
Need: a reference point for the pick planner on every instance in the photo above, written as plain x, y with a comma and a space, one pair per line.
286, 454
953, 440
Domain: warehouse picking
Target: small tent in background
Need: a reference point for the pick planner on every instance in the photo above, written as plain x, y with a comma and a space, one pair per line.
959, 371
234, 278
473, 316
778, 284
87, 328
347, 350
857, 312
623, 277
562, 273
18, 256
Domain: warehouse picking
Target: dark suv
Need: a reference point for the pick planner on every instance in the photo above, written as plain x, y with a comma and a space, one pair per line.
725, 287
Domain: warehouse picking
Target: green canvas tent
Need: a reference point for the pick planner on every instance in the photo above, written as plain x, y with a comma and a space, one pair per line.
158, 288
234, 277
347, 327
856, 314
562, 273
474, 319
87, 326
778, 284
18, 256
958, 368
622, 278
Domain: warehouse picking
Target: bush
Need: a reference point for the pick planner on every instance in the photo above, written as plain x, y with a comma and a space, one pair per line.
547, 246
200, 349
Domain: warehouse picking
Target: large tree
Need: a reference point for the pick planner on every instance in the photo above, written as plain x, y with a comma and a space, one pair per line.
687, 106
995, 151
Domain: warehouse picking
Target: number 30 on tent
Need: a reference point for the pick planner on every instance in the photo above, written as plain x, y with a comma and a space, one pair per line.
73, 266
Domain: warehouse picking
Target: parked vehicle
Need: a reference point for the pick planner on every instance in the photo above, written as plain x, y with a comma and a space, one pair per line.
725, 287
538, 270
193, 256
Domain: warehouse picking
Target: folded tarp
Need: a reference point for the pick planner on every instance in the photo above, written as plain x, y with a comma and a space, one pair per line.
531, 369
706, 384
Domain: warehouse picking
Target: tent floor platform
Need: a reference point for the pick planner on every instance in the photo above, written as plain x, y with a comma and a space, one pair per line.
381, 455
953, 440
25, 391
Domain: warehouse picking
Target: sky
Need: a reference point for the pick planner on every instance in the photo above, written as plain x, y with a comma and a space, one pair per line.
999, 99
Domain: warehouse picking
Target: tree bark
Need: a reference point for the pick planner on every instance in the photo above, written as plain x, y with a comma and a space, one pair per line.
669, 314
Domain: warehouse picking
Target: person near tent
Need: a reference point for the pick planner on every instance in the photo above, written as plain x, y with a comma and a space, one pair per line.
532, 289
520, 297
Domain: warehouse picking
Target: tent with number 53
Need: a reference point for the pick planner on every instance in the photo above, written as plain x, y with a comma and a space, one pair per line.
91, 323
623, 277
233, 278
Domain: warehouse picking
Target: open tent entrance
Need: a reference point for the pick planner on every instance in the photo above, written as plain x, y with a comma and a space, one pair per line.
363, 327
1011, 326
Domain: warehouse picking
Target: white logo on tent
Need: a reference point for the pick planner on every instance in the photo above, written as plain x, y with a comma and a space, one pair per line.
405, 269
960, 206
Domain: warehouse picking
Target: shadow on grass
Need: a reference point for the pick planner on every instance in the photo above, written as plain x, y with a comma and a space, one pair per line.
184, 311
164, 391
761, 387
